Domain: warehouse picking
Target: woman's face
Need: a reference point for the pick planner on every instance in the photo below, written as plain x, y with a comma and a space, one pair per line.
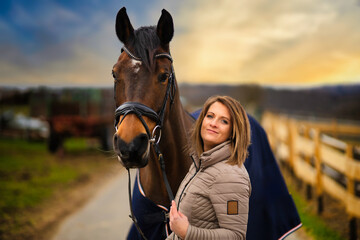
216, 126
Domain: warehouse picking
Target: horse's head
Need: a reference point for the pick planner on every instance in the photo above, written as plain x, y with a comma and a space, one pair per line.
144, 87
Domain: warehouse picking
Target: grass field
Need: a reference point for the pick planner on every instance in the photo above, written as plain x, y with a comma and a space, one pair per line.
30, 175
314, 225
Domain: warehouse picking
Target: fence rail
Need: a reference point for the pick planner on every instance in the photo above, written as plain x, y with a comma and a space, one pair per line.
322, 161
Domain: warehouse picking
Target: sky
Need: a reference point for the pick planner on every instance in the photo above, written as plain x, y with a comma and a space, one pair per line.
280, 42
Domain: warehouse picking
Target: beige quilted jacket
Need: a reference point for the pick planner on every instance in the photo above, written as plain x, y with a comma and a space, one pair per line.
215, 197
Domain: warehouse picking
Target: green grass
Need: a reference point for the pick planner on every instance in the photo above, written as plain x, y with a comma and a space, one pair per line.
29, 174
312, 223
23, 109
75, 144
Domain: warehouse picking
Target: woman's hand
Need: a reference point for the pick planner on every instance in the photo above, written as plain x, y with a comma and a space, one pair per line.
178, 222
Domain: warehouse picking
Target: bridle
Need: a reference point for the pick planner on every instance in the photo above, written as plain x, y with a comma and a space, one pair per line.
141, 110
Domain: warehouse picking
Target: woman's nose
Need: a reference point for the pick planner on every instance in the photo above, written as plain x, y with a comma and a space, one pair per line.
213, 123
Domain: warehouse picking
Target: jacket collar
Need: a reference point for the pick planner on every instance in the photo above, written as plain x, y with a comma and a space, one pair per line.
217, 154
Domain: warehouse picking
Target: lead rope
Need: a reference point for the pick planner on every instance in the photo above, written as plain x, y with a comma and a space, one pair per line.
132, 216
162, 166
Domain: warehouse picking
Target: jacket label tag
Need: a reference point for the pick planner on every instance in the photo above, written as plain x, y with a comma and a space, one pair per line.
232, 208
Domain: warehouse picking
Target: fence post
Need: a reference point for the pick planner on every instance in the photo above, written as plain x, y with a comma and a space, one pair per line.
293, 134
351, 192
272, 134
307, 160
290, 144
318, 166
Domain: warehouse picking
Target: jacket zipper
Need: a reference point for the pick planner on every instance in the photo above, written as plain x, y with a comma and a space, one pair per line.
183, 190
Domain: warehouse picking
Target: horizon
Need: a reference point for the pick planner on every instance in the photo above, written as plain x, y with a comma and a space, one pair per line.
276, 87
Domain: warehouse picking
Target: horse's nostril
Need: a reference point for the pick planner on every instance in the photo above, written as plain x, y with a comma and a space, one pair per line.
124, 154
139, 143
143, 138
133, 153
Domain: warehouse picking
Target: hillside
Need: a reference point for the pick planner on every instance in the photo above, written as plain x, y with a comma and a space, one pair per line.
334, 102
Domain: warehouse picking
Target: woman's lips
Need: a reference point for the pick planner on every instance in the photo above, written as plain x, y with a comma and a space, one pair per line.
211, 131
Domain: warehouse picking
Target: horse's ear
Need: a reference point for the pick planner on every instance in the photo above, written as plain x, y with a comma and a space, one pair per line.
123, 27
165, 27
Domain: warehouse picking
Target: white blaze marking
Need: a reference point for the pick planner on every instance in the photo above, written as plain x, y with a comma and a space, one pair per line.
136, 65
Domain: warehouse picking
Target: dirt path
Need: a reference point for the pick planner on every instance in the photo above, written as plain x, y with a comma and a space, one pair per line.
105, 216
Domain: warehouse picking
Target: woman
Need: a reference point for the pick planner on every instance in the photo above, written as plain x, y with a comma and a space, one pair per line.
213, 199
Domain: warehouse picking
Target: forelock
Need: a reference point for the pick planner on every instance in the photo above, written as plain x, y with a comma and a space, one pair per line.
146, 41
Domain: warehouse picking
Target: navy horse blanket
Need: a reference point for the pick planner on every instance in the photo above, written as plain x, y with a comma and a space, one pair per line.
272, 212
151, 217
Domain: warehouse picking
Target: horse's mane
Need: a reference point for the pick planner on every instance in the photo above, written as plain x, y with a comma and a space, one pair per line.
146, 40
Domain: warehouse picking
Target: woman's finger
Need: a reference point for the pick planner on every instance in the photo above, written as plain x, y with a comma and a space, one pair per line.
173, 209
173, 204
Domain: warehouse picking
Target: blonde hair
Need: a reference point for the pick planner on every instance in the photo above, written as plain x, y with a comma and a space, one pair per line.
240, 137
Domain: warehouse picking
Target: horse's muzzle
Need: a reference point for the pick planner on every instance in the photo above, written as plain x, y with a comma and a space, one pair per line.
134, 154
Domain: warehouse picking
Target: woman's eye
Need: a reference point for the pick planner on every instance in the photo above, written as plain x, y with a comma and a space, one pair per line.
225, 122
163, 77
209, 116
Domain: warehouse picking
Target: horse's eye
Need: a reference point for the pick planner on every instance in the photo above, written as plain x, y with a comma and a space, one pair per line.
113, 74
163, 77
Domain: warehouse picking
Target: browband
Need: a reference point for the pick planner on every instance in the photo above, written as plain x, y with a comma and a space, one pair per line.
167, 55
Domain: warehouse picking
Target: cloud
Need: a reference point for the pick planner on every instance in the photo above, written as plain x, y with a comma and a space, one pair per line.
56, 45
243, 41
85, 68
85, 62
277, 42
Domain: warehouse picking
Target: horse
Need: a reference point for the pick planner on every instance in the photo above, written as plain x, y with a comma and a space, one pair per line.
144, 75
152, 133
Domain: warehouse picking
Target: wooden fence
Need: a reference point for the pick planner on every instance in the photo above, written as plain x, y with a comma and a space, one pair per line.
319, 159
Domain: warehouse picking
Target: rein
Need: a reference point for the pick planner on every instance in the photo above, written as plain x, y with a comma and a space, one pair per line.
141, 110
